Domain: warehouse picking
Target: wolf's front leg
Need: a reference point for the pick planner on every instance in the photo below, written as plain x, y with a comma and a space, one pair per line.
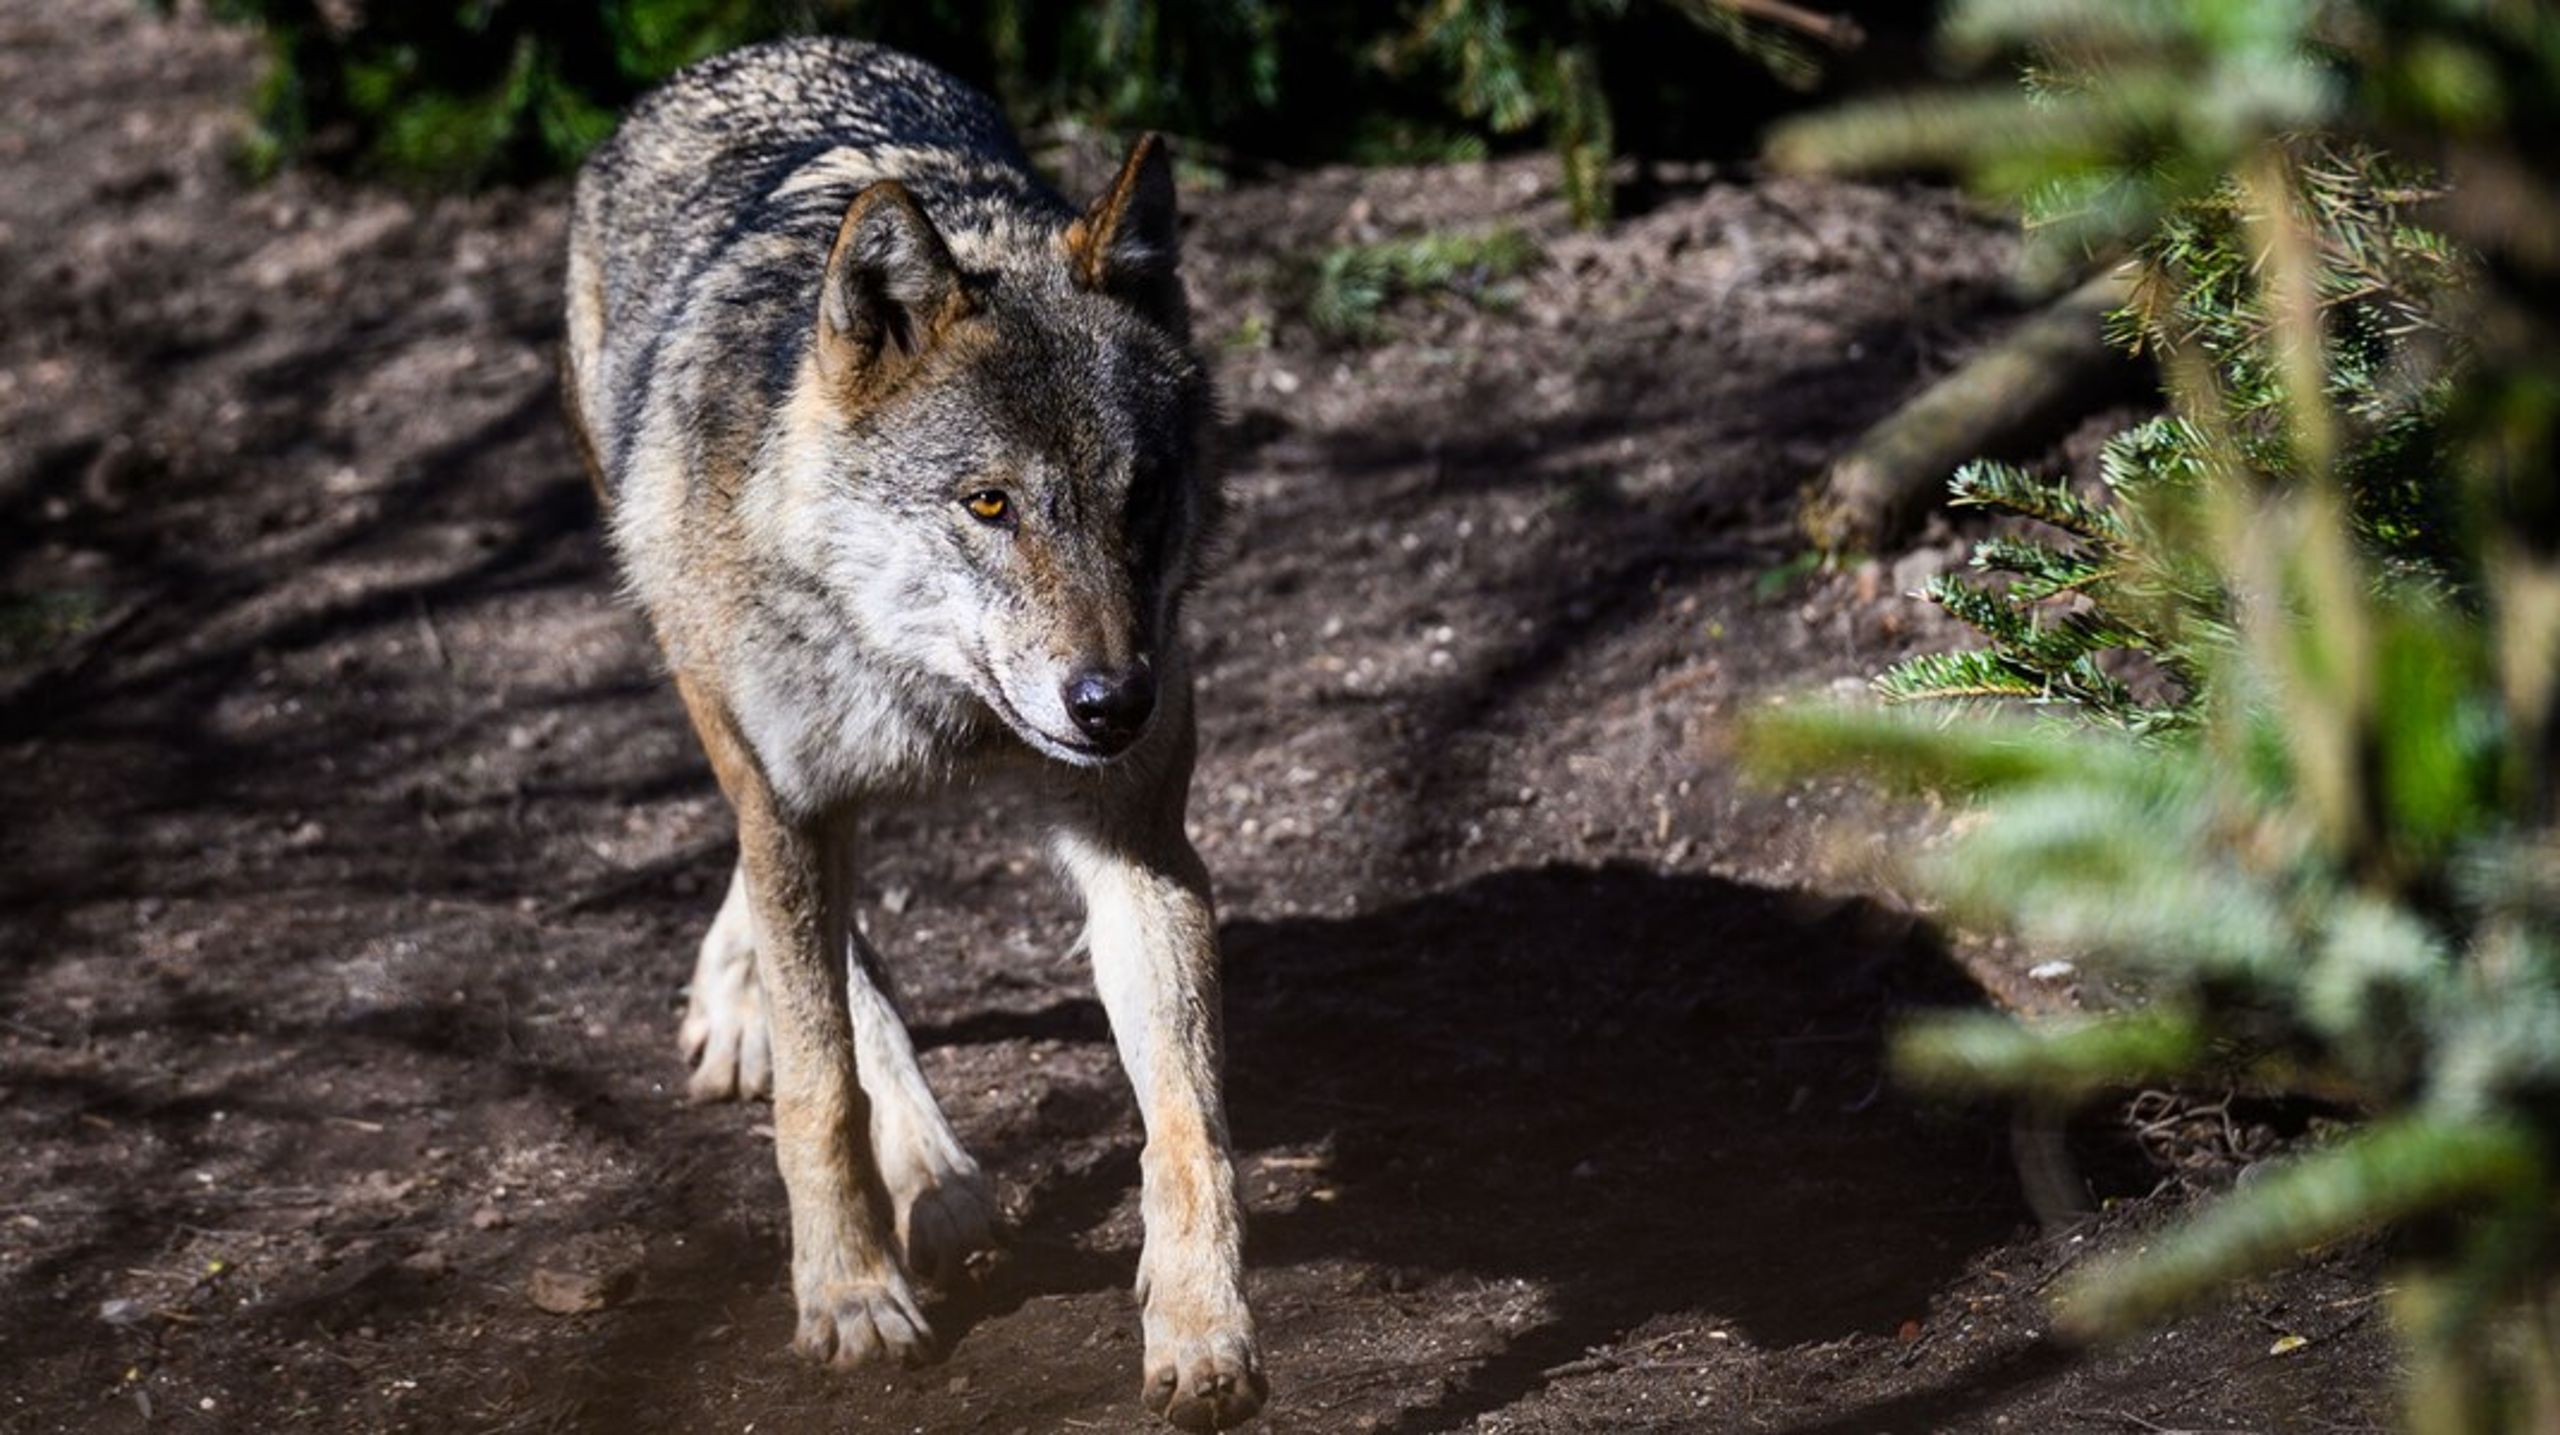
854, 1300
855, 1303
1155, 961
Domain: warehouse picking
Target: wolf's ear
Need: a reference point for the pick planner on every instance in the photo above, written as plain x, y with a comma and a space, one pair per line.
892, 287
1128, 244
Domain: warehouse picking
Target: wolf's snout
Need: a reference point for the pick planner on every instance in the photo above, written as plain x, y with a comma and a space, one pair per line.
1111, 708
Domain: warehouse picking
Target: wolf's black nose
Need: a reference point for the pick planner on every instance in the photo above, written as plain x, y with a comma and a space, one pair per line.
1112, 708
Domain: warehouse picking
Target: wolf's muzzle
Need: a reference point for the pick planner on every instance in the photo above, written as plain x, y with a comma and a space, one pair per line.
1112, 708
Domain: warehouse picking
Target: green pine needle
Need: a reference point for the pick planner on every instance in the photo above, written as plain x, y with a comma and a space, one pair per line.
1976, 1053
2389, 1171
1985, 484
1901, 750
2039, 570
1941, 677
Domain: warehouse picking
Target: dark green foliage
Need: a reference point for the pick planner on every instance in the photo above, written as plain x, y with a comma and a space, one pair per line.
1581, 133
33, 625
2391, 1170
2388, 290
2145, 117
1517, 64
1980, 1052
461, 92
2334, 866
2069, 620
458, 94
1510, 76
1353, 285
2101, 617
2336, 884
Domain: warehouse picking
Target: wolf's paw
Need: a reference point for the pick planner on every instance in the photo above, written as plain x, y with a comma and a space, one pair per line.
857, 1323
1206, 1382
1202, 1370
724, 1034
946, 1214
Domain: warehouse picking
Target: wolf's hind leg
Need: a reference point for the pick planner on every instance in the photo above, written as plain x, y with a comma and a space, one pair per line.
724, 1034
945, 1208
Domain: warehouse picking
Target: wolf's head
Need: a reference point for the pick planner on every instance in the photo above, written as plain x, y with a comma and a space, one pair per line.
1011, 444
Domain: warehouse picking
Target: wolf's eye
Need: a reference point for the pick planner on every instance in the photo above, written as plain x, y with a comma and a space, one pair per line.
988, 505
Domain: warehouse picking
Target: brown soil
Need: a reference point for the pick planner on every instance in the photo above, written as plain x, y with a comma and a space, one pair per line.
356, 851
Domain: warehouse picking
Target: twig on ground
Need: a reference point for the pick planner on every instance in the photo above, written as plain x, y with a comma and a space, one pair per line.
1840, 32
427, 633
2127, 1417
1365, 1375
1628, 1358
625, 883
30, 1029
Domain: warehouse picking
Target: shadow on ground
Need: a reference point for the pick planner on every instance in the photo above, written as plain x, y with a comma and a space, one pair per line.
1645, 1096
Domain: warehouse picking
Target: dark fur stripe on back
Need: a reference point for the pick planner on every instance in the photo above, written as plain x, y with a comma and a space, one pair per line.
681, 207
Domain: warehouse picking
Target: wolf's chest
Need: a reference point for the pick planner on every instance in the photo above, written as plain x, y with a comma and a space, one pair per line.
832, 722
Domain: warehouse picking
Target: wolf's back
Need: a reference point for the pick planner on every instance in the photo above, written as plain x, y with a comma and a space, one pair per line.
700, 229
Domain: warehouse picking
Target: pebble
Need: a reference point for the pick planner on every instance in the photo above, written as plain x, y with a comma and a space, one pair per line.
575, 1292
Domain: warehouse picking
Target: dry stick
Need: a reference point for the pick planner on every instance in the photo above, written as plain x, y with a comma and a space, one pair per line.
31, 1030
620, 885
1838, 31
2137, 1422
427, 634
268, 1199
1628, 1357
2022, 390
1362, 1376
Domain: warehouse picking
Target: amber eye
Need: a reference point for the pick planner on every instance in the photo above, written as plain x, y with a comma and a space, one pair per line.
988, 505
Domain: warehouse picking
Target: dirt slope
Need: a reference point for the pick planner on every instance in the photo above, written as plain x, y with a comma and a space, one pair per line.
355, 853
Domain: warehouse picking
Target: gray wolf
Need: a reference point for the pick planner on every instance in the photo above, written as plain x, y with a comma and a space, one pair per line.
907, 462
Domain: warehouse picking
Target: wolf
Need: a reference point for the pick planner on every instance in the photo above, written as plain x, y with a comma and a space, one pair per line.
908, 463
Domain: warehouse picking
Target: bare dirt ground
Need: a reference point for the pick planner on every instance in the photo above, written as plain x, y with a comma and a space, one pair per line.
355, 852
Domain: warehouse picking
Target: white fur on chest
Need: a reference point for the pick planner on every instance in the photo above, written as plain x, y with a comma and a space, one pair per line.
828, 723
845, 677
